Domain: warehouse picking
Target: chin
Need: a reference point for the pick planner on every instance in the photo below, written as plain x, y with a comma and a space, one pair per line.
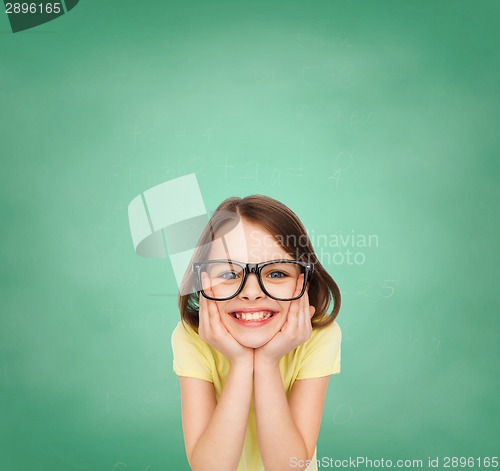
253, 343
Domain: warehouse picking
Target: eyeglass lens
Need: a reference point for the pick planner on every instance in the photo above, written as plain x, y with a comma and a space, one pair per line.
278, 279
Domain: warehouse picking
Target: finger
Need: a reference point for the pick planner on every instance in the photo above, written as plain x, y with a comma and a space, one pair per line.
213, 310
301, 300
292, 321
305, 315
302, 326
312, 309
203, 311
209, 304
295, 305
302, 308
205, 281
298, 285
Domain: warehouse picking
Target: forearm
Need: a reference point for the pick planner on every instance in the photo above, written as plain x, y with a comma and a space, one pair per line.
220, 445
278, 437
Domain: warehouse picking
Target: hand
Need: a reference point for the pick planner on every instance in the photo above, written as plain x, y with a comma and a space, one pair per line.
296, 330
213, 331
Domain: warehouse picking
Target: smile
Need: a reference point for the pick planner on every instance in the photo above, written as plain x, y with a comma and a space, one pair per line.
256, 316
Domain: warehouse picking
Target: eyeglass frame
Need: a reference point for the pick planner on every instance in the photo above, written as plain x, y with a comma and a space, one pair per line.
256, 269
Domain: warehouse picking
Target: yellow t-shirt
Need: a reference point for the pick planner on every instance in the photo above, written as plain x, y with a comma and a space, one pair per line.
319, 356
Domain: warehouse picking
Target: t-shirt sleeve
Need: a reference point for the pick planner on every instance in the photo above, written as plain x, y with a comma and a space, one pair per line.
190, 354
321, 356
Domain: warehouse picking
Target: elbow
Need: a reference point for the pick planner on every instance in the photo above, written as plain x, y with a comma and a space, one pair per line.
297, 464
300, 460
197, 462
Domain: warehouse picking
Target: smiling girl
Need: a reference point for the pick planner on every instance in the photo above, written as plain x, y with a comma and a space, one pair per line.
256, 346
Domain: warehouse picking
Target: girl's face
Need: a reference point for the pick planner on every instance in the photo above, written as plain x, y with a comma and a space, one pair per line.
249, 243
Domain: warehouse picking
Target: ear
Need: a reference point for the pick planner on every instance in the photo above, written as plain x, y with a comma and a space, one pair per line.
312, 310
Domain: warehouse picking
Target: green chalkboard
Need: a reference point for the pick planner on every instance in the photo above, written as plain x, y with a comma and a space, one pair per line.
376, 122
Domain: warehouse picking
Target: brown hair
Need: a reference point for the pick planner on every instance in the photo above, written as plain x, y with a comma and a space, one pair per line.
283, 223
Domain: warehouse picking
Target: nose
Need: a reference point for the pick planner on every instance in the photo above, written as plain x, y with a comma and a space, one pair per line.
251, 289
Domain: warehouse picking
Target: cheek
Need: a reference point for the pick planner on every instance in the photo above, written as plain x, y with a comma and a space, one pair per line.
224, 317
283, 313
284, 307
282, 321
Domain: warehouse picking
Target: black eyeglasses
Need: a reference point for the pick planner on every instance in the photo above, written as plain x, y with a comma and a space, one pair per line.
277, 278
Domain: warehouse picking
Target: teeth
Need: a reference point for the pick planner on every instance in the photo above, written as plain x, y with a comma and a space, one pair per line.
253, 316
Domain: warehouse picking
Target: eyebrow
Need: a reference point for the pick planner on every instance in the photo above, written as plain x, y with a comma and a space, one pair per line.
250, 263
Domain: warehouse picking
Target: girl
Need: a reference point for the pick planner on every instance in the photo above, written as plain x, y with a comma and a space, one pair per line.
256, 345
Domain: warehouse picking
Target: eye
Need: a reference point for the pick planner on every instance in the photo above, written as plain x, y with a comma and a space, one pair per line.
228, 275
277, 274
